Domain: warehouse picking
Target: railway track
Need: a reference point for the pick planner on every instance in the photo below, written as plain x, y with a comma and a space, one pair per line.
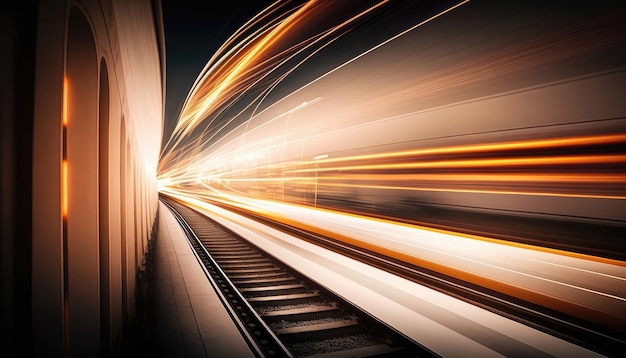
280, 312
568, 328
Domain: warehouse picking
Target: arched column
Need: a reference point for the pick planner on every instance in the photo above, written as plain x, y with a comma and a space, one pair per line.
104, 234
81, 208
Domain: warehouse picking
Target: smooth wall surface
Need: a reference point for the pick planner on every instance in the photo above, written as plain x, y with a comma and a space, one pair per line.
86, 133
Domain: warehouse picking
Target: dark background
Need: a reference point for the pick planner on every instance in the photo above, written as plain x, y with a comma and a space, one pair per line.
194, 30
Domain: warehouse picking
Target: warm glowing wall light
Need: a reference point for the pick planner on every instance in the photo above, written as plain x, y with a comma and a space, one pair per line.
65, 85
64, 189
64, 119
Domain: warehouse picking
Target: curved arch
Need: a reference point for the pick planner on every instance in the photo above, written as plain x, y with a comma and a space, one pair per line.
81, 229
103, 187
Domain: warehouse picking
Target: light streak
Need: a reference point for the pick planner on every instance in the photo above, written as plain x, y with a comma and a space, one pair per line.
236, 72
64, 174
226, 78
190, 117
266, 208
461, 256
512, 161
578, 269
500, 146
64, 110
509, 191
419, 122
536, 161
482, 262
356, 280
64, 191
504, 177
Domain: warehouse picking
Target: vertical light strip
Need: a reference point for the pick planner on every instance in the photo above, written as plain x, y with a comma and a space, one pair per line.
65, 85
64, 190
64, 164
64, 213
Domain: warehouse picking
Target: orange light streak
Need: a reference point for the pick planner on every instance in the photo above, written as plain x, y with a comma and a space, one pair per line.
64, 120
534, 177
194, 113
555, 302
478, 191
64, 179
64, 109
502, 146
232, 72
473, 163
240, 202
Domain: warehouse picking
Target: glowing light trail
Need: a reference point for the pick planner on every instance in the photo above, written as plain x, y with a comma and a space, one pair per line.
502, 146
64, 174
235, 73
478, 122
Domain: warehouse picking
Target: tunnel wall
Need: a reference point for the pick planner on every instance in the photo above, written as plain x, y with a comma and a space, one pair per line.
81, 132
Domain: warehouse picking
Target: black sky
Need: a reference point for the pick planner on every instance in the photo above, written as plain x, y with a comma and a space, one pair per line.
193, 32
